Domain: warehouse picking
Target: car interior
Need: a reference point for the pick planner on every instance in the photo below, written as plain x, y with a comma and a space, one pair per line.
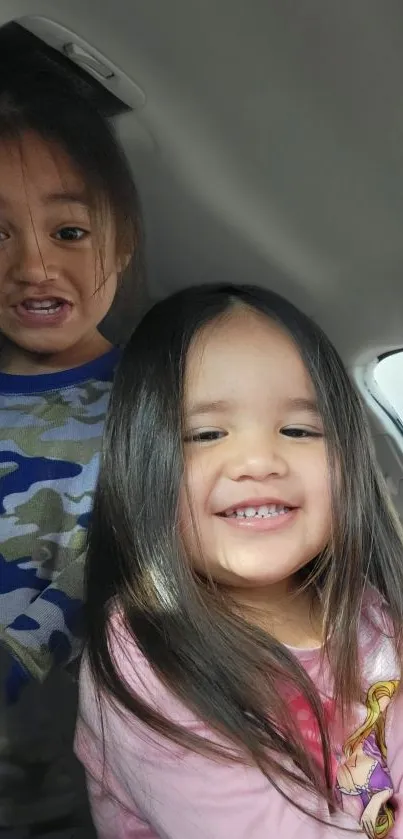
266, 141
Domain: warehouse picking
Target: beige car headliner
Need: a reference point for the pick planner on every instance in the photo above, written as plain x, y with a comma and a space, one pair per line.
270, 147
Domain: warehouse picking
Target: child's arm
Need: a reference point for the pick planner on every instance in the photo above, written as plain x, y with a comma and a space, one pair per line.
178, 793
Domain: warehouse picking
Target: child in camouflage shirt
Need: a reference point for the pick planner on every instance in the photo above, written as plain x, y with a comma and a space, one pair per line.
69, 225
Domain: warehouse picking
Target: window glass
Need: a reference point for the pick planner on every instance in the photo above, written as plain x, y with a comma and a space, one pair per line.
389, 379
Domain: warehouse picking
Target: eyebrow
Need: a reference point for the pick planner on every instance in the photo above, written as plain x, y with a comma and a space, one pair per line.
65, 198
303, 404
58, 198
221, 405
215, 407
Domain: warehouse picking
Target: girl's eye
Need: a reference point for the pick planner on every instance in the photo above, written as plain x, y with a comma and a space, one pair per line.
3, 236
71, 234
300, 433
207, 435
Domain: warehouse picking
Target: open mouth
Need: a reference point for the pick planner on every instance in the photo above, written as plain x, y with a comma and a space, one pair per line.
264, 511
48, 306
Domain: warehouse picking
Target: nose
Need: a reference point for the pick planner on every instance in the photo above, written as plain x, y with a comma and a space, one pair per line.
257, 457
30, 263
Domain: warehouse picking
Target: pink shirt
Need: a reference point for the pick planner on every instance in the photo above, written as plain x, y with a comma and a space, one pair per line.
149, 787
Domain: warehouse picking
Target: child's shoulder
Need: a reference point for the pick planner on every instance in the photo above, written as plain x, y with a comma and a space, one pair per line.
124, 649
377, 639
136, 673
375, 610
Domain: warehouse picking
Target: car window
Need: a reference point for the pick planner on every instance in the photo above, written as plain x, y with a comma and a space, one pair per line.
388, 376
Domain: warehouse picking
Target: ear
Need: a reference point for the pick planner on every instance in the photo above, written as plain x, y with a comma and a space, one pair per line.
122, 263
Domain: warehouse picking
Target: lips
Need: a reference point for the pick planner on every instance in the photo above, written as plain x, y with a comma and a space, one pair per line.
47, 305
259, 516
46, 310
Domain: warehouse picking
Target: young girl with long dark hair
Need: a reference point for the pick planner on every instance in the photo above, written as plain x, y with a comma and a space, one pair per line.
245, 587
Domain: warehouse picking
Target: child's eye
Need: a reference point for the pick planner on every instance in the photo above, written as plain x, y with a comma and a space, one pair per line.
71, 234
206, 435
300, 433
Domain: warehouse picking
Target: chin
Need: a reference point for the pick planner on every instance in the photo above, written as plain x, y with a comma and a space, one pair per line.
43, 348
256, 577
251, 579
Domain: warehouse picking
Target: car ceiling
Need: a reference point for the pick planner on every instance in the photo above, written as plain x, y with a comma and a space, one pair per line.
270, 147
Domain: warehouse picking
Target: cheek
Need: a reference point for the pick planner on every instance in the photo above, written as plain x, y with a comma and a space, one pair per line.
317, 475
320, 497
198, 481
96, 272
188, 528
190, 501
322, 485
106, 293
193, 509
6, 284
96, 306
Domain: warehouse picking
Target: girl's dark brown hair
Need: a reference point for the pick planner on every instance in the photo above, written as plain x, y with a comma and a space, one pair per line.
229, 672
50, 102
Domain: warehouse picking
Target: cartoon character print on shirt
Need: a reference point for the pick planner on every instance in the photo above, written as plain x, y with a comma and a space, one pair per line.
364, 786
360, 773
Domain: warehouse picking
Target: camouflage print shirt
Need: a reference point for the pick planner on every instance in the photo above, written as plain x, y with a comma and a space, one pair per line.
50, 436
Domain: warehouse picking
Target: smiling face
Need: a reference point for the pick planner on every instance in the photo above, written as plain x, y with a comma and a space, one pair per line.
256, 468
51, 299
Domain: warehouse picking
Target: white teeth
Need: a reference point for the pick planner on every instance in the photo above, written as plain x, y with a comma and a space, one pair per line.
44, 306
249, 512
264, 511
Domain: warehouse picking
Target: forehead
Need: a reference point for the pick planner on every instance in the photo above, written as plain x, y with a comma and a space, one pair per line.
245, 356
33, 169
